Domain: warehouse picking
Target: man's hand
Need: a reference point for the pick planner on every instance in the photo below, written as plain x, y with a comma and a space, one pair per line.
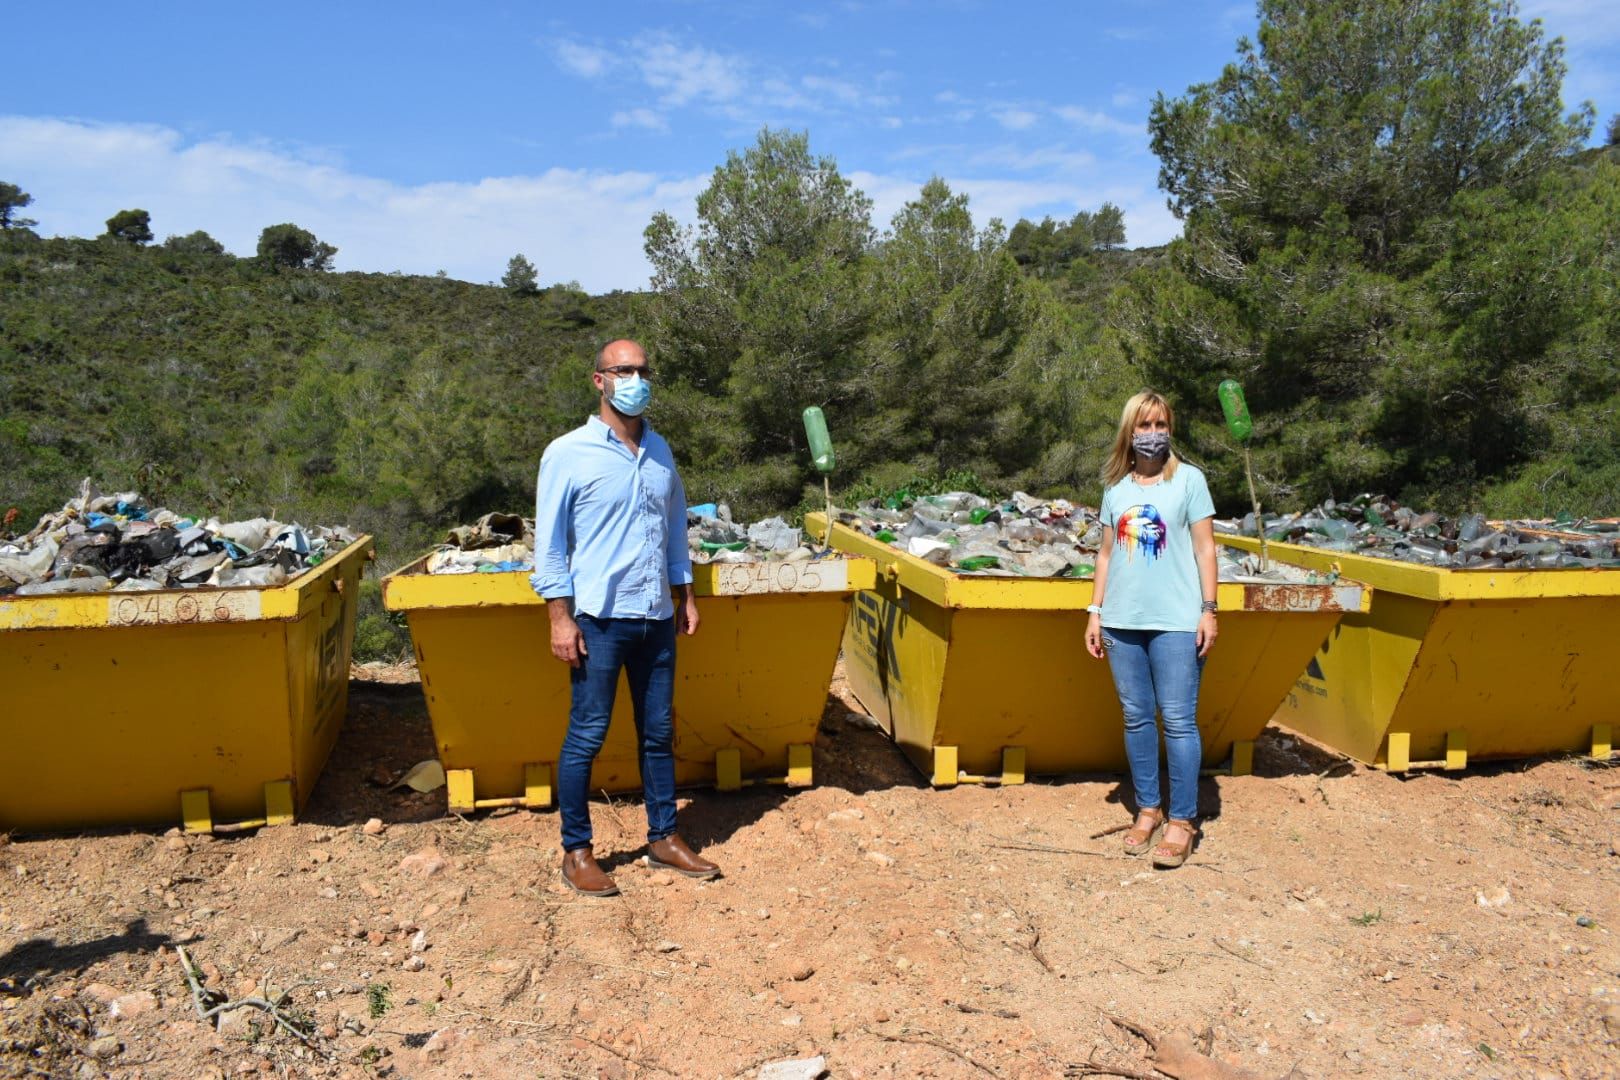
567, 643
686, 612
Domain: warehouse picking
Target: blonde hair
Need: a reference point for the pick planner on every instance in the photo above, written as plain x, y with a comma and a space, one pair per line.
1122, 458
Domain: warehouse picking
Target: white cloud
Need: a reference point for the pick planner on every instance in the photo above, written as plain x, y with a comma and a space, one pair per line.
587, 61
573, 223
1094, 120
640, 118
1016, 119
844, 92
686, 73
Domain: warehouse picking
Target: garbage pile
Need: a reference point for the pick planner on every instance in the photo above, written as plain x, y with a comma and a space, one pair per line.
494, 544
1379, 526
497, 543
121, 543
712, 536
1018, 537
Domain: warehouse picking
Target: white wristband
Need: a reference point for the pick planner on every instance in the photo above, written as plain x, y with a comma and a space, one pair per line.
1095, 609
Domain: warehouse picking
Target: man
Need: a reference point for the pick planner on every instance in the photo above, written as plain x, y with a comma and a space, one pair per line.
610, 542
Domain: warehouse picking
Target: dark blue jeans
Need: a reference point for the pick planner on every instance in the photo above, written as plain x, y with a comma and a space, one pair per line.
645, 649
1156, 673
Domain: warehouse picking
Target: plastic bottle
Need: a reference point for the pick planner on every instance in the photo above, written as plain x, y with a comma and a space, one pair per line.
821, 447
1236, 409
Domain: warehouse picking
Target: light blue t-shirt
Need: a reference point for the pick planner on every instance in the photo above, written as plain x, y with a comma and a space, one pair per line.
1152, 575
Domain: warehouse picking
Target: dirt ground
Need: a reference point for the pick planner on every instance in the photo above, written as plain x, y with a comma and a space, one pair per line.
1335, 921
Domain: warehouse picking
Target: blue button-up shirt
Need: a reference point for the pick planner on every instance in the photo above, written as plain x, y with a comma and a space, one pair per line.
609, 525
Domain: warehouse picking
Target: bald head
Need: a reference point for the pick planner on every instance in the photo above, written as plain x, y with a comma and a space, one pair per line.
621, 351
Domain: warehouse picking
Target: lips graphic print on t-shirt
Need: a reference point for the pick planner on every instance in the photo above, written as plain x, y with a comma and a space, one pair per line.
1140, 531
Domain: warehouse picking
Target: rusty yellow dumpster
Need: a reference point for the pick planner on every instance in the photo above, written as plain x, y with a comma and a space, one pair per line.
987, 678
208, 707
1451, 665
750, 685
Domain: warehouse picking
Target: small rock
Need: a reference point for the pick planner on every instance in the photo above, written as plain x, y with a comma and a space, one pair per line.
107, 1046
880, 858
842, 816
176, 843
373, 827
1611, 1021
503, 967
763, 913
662, 877
238, 1024
100, 992
419, 942
202, 913
424, 863
1495, 898
132, 1005
320, 855
375, 937
414, 963
371, 890
799, 971
1584, 920
860, 720
247, 988
798, 1069
278, 936
667, 947
381, 775
442, 1041
430, 911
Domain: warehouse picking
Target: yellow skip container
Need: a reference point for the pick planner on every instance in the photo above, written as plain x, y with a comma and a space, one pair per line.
214, 708
987, 678
1448, 665
750, 686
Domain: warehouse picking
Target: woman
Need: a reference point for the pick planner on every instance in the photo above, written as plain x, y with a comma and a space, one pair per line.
1154, 615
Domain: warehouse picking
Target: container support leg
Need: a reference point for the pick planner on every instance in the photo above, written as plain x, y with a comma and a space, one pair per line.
728, 769
195, 811
799, 765
1602, 741
946, 773
537, 786
1398, 756
278, 802
1013, 763
1456, 750
459, 789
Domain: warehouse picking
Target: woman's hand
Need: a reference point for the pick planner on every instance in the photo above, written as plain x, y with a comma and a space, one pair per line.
1094, 644
1208, 630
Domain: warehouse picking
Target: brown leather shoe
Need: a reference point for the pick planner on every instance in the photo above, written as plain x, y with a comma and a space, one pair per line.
580, 871
671, 853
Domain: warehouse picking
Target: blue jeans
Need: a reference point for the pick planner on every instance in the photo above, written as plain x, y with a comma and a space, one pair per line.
1156, 673
645, 649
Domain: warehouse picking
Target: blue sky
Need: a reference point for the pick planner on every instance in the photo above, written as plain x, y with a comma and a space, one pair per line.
424, 137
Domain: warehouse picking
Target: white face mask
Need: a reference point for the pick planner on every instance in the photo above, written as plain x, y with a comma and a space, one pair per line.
631, 394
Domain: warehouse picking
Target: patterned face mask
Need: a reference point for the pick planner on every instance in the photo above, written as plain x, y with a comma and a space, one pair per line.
1153, 445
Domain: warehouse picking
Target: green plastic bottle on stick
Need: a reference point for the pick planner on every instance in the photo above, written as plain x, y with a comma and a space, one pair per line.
822, 457
1241, 425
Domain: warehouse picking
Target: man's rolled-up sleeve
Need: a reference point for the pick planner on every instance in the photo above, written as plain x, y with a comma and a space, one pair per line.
552, 579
